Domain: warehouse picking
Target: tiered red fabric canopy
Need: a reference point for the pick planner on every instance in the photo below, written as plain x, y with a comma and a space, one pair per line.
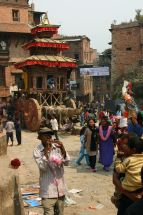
49, 61
48, 30
49, 43
39, 29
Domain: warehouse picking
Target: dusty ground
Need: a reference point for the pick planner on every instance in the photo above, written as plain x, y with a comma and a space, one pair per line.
97, 187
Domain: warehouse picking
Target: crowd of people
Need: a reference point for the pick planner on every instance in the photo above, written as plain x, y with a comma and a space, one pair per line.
118, 140
113, 140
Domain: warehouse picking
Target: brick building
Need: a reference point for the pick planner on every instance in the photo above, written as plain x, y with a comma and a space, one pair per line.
127, 50
81, 50
16, 18
102, 84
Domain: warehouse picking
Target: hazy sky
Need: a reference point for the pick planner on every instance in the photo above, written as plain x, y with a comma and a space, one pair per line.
89, 17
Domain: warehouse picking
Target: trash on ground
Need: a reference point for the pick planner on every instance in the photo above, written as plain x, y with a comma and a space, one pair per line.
33, 213
29, 189
33, 203
69, 201
30, 195
94, 207
99, 206
74, 191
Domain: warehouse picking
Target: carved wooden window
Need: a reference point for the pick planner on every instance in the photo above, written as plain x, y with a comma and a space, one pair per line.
60, 83
16, 15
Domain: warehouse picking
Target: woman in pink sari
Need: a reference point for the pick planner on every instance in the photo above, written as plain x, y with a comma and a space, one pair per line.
106, 146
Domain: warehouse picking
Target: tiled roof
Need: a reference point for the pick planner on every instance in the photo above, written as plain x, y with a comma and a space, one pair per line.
50, 58
14, 28
73, 38
48, 61
45, 40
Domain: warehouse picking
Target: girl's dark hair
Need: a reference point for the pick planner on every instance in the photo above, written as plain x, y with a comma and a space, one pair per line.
136, 143
10, 118
105, 118
82, 131
90, 120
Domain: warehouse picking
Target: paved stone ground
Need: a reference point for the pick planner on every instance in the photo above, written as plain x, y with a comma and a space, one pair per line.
97, 187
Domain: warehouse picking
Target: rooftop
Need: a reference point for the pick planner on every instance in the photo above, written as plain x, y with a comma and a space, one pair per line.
45, 23
126, 25
48, 61
50, 58
46, 42
74, 38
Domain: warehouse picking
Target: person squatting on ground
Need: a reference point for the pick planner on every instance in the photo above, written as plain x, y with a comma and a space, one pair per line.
51, 157
91, 141
131, 166
9, 130
83, 152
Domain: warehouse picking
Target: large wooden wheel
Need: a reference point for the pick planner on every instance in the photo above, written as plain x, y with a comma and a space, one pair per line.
31, 111
32, 115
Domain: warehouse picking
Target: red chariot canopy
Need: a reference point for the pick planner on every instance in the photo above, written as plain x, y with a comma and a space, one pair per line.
46, 63
53, 30
60, 46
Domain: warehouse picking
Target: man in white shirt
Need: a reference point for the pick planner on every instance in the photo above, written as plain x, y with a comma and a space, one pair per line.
9, 130
54, 124
51, 157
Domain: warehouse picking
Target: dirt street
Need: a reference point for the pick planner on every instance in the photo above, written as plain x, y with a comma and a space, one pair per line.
97, 187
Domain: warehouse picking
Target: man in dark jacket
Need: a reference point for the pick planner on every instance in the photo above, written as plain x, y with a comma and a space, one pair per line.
18, 130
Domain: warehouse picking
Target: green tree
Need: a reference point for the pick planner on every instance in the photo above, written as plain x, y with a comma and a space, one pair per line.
139, 16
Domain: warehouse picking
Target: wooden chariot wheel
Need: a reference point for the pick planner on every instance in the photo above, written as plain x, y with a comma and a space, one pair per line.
31, 112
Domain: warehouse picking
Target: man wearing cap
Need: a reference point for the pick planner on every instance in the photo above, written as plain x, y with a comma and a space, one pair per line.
51, 157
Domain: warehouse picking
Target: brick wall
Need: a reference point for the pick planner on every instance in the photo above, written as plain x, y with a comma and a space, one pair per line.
126, 49
16, 50
6, 14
